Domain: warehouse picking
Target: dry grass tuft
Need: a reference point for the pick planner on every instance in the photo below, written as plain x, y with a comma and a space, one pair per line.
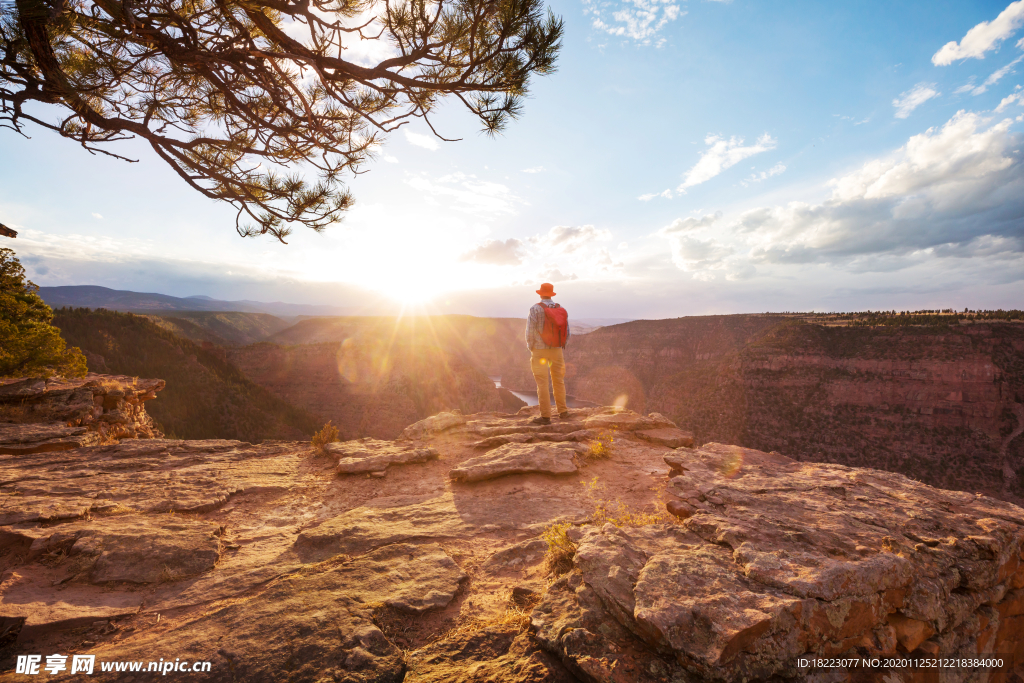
601, 448
620, 514
561, 549
329, 434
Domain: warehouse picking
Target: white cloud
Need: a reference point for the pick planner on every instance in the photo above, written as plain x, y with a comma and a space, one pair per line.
390, 159
535, 169
777, 169
956, 190
497, 253
1017, 96
96, 215
468, 192
722, 154
993, 78
623, 245
425, 141
912, 99
984, 37
667, 194
637, 19
681, 225
566, 239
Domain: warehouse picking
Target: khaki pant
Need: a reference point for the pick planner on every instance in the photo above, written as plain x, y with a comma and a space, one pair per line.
541, 360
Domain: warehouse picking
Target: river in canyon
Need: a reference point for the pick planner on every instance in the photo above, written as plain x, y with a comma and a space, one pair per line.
530, 397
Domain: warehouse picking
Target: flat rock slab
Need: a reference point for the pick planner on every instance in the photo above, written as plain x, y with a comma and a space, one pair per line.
29, 592
301, 628
517, 458
410, 578
535, 437
667, 436
19, 439
143, 475
371, 455
134, 548
366, 528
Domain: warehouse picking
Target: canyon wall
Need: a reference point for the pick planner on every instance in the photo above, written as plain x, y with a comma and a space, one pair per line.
939, 404
370, 386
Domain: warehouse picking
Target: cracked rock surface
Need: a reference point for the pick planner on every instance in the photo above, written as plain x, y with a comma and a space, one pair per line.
710, 564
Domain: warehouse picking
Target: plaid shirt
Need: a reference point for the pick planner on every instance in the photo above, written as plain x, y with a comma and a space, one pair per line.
535, 323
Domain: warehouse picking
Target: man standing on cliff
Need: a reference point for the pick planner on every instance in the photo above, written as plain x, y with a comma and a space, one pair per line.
547, 332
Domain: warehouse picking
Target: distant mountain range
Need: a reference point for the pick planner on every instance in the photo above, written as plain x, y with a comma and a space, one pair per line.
92, 296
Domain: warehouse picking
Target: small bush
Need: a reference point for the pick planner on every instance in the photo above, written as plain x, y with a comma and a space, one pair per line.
329, 434
560, 549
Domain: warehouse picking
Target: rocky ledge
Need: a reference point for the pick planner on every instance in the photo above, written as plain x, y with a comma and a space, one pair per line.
486, 548
39, 415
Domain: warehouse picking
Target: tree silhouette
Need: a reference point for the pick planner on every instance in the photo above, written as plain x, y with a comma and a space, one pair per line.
247, 99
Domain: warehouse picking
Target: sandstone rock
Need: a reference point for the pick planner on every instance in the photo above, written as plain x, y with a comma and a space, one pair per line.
786, 559
581, 435
497, 653
434, 425
28, 594
517, 459
371, 455
142, 475
19, 389
302, 628
627, 420
364, 529
103, 407
24, 439
409, 578
667, 436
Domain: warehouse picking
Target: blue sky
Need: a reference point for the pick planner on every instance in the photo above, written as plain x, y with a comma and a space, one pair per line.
687, 158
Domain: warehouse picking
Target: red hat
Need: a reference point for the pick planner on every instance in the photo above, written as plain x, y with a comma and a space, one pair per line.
547, 289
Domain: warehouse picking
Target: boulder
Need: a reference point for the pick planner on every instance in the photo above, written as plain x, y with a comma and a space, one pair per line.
777, 560
627, 420
667, 436
434, 425
371, 455
517, 458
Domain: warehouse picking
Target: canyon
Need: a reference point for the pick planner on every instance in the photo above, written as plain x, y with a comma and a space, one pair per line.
941, 401
602, 548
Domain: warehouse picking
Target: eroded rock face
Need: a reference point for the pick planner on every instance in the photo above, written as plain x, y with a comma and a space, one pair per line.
273, 568
434, 425
372, 455
783, 560
515, 458
38, 416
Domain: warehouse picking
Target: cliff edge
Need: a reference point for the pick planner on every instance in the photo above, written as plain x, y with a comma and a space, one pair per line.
474, 548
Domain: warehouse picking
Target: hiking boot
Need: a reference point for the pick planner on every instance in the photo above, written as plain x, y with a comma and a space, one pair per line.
564, 416
541, 421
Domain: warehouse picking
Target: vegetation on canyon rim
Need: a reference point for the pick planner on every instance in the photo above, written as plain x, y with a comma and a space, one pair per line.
227, 96
29, 344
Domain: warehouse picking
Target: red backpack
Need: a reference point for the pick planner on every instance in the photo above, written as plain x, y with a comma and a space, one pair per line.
556, 326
